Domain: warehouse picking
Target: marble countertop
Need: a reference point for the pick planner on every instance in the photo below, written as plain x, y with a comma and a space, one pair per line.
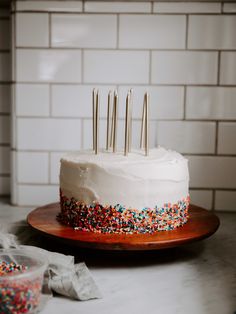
197, 278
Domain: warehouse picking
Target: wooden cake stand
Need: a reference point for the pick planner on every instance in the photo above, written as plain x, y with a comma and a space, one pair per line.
201, 224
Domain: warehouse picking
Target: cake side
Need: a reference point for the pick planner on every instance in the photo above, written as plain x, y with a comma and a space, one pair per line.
136, 182
115, 194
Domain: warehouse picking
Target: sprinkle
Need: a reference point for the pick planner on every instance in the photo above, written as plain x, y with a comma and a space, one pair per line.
9, 268
119, 219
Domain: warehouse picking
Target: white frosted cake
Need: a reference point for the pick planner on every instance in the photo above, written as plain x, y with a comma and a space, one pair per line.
113, 193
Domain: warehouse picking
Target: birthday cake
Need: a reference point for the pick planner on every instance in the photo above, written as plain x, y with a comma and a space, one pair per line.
113, 193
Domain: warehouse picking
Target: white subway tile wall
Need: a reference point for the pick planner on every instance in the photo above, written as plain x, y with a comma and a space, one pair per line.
166, 102
117, 7
36, 165
48, 65
29, 195
184, 67
5, 100
116, 66
75, 100
32, 100
48, 134
208, 32
183, 54
185, 7
200, 139
84, 30
227, 138
202, 198
212, 172
28, 36
225, 200
211, 103
49, 6
156, 31
229, 7
227, 68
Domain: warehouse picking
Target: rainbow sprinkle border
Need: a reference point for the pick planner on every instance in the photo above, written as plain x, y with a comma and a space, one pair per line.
117, 219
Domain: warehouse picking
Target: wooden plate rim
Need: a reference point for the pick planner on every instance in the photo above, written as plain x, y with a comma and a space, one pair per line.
202, 224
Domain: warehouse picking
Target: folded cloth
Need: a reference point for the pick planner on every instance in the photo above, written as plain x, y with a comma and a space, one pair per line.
63, 276
77, 284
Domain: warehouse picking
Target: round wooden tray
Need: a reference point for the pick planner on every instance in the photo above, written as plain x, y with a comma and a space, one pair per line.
201, 224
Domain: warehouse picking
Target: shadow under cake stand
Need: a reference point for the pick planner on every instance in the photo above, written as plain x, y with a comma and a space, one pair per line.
201, 224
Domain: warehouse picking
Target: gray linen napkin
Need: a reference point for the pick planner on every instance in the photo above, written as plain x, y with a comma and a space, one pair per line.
63, 276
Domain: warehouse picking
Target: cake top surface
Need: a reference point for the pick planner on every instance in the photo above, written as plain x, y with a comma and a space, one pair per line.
158, 154
160, 163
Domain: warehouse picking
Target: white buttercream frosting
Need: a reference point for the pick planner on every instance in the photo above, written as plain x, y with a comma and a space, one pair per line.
135, 181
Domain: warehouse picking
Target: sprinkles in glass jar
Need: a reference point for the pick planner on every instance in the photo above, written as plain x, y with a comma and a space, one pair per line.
21, 278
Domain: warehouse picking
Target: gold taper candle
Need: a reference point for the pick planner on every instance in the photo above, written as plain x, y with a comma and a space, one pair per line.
147, 125
115, 122
108, 118
127, 126
143, 124
130, 118
97, 124
112, 123
94, 104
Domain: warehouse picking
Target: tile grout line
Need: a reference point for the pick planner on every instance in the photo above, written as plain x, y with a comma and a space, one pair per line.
217, 122
82, 134
150, 68
117, 31
218, 68
210, 189
216, 137
186, 31
184, 103
120, 83
82, 67
50, 102
129, 49
213, 200
83, 6
73, 117
49, 30
49, 167
14, 145
119, 12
